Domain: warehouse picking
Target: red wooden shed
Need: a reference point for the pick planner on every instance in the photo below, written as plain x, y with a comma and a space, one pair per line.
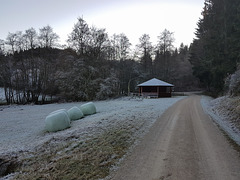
155, 88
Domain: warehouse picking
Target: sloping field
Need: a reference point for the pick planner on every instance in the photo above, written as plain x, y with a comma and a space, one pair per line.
22, 134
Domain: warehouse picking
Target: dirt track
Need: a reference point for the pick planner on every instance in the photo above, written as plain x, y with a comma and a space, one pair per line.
184, 144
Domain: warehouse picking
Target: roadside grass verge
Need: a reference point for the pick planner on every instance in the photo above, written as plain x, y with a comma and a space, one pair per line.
231, 141
80, 159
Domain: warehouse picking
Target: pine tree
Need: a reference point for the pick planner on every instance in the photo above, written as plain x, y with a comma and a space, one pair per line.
214, 53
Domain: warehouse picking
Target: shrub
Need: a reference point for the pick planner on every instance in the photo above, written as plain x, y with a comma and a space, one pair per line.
232, 83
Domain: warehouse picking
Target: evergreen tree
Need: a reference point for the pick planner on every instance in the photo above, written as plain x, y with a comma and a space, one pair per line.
214, 54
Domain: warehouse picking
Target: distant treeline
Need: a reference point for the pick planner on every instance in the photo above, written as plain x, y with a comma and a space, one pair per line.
215, 53
92, 66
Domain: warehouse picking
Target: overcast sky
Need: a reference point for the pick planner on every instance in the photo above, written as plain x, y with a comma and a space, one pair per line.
131, 17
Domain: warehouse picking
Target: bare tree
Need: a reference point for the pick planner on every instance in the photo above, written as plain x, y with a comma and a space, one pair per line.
47, 37
19, 41
11, 40
78, 38
31, 38
121, 46
97, 43
146, 49
166, 40
165, 48
145, 44
124, 46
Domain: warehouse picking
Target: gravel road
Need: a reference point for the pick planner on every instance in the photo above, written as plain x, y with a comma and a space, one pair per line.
183, 144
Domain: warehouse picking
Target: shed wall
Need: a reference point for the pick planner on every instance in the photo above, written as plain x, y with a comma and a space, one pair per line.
156, 91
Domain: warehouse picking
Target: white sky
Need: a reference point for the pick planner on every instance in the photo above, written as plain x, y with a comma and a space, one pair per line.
131, 17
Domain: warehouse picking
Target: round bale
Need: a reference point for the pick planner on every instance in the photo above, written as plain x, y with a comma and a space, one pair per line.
75, 113
88, 108
59, 110
57, 121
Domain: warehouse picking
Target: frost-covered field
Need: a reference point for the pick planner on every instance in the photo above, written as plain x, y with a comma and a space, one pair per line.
22, 126
218, 110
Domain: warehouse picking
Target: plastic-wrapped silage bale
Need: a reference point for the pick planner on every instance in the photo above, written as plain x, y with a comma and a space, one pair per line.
75, 113
57, 120
88, 108
58, 111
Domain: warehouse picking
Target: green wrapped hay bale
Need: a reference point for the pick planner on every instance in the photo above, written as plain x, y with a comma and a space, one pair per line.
75, 113
58, 111
88, 108
57, 121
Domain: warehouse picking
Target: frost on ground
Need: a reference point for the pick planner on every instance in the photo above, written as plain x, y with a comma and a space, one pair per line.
225, 111
22, 132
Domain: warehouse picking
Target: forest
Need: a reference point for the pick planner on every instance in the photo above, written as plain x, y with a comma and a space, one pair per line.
92, 66
95, 66
215, 53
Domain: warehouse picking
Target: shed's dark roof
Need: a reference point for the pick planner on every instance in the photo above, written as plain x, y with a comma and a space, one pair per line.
155, 82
